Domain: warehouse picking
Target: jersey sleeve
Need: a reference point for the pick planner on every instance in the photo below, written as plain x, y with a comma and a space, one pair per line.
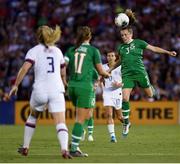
142, 44
97, 57
30, 56
66, 55
62, 60
95, 75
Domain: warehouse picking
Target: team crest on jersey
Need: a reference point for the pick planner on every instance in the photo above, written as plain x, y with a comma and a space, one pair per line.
131, 47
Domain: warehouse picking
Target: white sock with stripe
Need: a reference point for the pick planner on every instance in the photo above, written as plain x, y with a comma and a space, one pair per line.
111, 129
62, 134
29, 130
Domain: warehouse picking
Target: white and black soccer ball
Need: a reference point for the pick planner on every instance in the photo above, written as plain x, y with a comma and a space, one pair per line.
122, 20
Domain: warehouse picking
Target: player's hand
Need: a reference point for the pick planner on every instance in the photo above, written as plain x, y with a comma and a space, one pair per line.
6, 97
107, 75
116, 84
13, 91
95, 85
172, 53
102, 81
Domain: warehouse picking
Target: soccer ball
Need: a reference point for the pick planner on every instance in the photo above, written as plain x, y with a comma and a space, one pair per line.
122, 20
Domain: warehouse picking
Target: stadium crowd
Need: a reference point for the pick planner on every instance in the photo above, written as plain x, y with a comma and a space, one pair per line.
158, 23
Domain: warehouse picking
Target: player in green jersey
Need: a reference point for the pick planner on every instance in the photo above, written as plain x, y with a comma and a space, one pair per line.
82, 59
133, 69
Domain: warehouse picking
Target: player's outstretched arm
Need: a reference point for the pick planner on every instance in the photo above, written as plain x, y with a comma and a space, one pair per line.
160, 50
22, 72
101, 71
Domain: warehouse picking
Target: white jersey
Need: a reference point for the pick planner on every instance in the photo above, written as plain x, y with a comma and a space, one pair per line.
47, 66
115, 77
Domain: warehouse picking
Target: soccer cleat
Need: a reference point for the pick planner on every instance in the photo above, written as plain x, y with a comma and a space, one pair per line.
83, 135
23, 151
66, 154
90, 138
126, 129
78, 153
113, 139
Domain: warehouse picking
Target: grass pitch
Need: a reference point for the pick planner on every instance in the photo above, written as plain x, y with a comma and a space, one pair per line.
145, 144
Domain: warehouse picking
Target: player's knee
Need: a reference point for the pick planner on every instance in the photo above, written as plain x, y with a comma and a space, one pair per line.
35, 114
125, 98
88, 116
109, 116
150, 94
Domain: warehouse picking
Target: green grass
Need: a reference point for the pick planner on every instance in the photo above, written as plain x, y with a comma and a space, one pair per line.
144, 144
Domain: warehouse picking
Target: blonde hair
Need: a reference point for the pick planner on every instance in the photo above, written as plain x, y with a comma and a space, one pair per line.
48, 36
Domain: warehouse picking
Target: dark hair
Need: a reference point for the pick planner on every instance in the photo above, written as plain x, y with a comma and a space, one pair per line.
115, 53
83, 33
132, 20
131, 15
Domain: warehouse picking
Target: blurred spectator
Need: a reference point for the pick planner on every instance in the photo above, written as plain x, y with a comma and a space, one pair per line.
158, 23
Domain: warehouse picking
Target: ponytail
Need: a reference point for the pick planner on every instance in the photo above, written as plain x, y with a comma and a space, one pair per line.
83, 33
131, 15
48, 36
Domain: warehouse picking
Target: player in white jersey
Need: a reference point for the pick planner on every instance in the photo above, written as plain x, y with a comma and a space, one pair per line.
48, 87
112, 94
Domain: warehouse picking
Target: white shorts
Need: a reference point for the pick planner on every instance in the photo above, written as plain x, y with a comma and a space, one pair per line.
115, 102
53, 100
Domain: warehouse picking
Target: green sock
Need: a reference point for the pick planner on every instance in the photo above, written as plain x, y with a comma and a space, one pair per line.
90, 126
76, 136
125, 112
85, 124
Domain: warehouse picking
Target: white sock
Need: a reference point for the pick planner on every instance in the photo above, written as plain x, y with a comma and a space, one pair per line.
29, 130
62, 134
111, 129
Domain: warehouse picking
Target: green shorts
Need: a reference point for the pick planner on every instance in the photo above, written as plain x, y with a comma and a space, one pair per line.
133, 81
82, 98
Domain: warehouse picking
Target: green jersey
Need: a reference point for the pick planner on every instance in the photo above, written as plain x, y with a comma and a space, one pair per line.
132, 58
95, 75
81, 65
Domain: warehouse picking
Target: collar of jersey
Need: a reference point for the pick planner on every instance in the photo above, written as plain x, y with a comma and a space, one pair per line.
85, 44
130, 41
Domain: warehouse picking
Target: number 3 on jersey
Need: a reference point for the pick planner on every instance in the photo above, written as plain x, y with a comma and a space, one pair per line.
51, 64
78, 62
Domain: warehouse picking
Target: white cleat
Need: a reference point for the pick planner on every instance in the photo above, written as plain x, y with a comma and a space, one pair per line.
90, 138
126, 129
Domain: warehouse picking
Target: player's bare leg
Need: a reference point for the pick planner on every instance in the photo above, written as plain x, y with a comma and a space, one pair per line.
119, 115
151, 92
